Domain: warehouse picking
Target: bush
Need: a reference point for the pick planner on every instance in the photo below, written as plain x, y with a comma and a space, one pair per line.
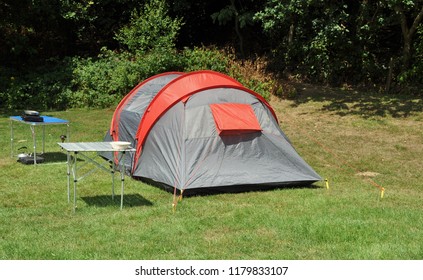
102, 82
149, 40
42, 88
200, 58
150, 29
250, 74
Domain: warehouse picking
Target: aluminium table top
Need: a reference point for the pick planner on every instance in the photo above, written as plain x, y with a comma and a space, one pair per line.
92, 147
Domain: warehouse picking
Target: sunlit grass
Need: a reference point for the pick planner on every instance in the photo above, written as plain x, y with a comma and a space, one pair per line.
347, 221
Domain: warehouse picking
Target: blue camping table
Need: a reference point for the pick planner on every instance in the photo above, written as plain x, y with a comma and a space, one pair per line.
47, 121
84, 148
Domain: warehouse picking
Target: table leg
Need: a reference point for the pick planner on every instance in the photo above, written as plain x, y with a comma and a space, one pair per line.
113, 179
67, 133
44, 137
11, 139
68, 163
122, 179
75, 180
34, 139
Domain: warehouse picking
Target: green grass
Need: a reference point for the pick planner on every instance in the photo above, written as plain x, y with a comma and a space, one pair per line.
347, 221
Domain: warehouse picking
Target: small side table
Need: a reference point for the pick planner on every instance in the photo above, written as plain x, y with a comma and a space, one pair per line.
47, 121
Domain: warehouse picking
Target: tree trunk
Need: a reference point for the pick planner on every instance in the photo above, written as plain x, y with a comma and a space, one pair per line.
237, 29
408, 33
291, 32
390, 74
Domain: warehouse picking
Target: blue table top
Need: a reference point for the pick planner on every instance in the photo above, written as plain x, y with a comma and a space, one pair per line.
47, 120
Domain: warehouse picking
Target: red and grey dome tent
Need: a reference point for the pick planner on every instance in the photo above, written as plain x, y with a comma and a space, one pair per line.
204, 129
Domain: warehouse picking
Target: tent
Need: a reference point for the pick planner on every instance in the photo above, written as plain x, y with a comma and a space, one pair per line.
204, 129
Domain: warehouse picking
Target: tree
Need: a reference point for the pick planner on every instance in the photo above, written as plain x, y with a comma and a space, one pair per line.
32, 31
408, 11
342, 41
151, 28
239, 14
312, 36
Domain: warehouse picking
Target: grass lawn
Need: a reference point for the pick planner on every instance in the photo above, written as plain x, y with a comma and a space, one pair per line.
364, 136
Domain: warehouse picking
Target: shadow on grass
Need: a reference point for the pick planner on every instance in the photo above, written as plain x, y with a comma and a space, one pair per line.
210, 191
53, 157
361, 103
245, 189
129, 200
46, 158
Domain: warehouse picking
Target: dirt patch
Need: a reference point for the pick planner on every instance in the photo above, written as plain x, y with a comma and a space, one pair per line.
6, 162
367, 174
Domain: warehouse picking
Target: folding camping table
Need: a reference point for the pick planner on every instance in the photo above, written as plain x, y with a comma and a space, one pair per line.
46, 121
82, 149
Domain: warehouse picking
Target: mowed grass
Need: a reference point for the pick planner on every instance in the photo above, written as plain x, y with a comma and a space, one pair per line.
347, 140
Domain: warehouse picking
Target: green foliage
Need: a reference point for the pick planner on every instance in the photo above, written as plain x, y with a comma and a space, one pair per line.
54, 61
224, 61
42, 88
36, 30
76, 10
277, 15
103, 81
284, 91
231, 13
311, 44
320, 40
200, 58
83, 82
99, 82
262, 88
150, 38
336, 42
150, 29
259, 84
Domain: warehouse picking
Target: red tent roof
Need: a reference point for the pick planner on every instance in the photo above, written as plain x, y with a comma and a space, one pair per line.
179, 89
